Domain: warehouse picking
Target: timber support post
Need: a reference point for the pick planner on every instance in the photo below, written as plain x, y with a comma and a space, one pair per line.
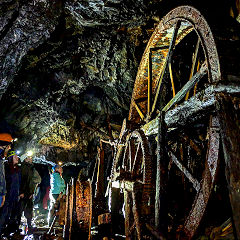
229, 112
161, 178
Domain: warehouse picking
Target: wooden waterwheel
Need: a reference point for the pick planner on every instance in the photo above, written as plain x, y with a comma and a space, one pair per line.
133, 172
175, 82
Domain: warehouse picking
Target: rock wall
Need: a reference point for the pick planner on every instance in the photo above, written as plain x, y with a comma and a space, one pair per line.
67, 69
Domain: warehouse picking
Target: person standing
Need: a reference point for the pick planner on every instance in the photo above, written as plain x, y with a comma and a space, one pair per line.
30, 178
5, 145
8, 217
58, 189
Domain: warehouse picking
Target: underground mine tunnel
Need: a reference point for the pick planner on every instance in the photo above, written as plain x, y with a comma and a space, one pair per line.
119, 119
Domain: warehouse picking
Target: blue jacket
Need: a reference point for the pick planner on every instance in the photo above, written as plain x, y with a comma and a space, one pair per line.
57, 184
2, 176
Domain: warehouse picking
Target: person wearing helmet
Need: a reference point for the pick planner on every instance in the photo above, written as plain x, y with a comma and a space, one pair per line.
8, 217
5, 145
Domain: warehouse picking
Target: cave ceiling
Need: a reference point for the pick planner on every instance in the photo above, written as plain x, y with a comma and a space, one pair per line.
67, 70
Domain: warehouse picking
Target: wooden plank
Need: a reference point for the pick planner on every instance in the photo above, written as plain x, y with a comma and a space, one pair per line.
229, 112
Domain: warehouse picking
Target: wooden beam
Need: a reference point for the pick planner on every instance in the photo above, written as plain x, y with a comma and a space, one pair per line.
191, 110
161, 213
187, 87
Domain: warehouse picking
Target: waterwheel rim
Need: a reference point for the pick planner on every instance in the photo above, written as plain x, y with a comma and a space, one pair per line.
187, 20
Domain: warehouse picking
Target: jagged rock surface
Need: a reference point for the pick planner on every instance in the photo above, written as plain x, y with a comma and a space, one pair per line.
67, 71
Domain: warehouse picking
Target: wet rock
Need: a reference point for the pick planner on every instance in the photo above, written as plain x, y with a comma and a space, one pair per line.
67, 71
25, 27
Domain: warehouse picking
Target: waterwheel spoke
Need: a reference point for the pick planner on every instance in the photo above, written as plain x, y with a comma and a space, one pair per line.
194, 181
149, 82
193, 64
195, 87
133, 154
129, 156
125, 159
139, 162
171, 77
167, 60
138, 110
135, 158
187, 87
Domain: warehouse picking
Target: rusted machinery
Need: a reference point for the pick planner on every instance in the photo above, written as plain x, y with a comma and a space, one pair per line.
167, 154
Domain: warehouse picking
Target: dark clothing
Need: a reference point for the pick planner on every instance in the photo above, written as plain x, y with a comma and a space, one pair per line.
9, 212
2, 175
26, 206
29, 179
28, 184
13, 180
